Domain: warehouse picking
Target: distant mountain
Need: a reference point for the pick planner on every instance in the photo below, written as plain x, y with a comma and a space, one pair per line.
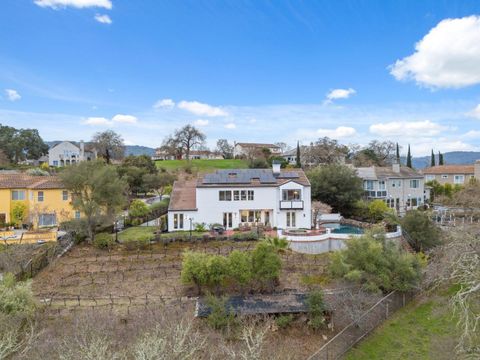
129, 149
139, 150
454, 157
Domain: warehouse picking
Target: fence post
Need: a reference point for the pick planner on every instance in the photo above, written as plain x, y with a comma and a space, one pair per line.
386, 308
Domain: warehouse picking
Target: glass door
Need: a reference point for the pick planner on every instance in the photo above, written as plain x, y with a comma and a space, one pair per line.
228, 220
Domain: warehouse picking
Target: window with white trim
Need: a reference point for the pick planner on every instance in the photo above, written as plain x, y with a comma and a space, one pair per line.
291, 219
178, 221
250, 195
414, 184
459, 179
64, 195
444, 176
47, 220
40, 196
225, 195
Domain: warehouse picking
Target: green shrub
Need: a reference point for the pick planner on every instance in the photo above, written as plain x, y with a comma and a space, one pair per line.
280, 244
245, 236
221, 317
423, 234
284, 321
103, 241
138, 209
376, 263
200, 227
316, 309
16, 298
266, 264
240, 267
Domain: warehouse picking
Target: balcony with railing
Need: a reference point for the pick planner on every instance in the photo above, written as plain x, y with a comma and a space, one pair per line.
291, 205
376, 194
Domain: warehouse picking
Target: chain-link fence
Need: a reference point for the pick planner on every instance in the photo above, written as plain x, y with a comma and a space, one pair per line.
361, 327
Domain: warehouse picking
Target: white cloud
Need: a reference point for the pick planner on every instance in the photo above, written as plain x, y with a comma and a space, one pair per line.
12, 95
407, 128
104, 19
340, 94
447, 57
201, 122
55, 4
338, 133
125, 119
97, 121
475, 113
201, 109
164, 104
472, 134
230, 126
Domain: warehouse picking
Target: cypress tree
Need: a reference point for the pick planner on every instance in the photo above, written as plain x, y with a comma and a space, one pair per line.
432, 159
440, 159
398, 154
409, 157
299, 164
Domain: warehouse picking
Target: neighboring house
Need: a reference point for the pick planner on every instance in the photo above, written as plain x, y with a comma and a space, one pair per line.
205, 154
402, 188
46, 200
162, 155
450, 174
68, 153
233, 198
247, 149
290, 156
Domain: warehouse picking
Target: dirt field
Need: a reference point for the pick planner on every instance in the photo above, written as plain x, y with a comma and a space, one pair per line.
125, 284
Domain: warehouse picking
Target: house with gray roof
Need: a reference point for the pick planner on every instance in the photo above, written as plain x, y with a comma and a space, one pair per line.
237, 198
401, 187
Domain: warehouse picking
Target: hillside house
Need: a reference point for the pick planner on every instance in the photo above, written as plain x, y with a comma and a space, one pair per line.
47, 202
69, 153
401, 187
242, 197
251, 150
451, 174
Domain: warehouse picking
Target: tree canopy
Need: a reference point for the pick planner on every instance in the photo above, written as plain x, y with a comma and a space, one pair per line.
20, 144
97, 192
336, 185
109, 145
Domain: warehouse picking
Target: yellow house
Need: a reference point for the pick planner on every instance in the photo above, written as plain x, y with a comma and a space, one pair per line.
46, 201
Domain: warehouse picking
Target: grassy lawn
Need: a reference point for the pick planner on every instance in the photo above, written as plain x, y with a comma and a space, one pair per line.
203, 165
135, 232
418, 331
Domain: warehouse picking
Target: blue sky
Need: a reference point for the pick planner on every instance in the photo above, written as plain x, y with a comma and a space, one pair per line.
266, 71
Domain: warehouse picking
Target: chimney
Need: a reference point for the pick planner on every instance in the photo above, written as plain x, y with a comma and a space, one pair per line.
276, 167
476, 171
396, 167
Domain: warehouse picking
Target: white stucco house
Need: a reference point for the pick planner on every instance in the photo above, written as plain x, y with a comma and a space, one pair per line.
401, 187
274, 197
241, 149
68, 153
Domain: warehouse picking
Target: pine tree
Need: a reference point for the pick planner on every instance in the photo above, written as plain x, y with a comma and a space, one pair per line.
440, 159
299, 164
432, 159
409, 157
398, 154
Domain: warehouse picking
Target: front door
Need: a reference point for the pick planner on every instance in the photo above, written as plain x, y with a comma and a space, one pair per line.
267, 217
228, 220
3, 219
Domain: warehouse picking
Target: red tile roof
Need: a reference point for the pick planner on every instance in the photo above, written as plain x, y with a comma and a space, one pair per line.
22, 181
449, 169
183, 196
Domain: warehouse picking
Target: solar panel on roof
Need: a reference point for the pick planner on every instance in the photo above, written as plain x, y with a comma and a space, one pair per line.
243, 176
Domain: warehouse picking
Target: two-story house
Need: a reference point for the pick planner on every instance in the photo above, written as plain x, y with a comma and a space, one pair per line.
450, 174
274, 197
251, 150
402, 188
68, 153
47, 202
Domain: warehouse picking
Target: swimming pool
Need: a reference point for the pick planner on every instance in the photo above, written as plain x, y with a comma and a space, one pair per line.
343, 228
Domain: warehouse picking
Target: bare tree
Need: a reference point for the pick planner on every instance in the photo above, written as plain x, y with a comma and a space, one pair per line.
188, 138
324, 151
379, 153
109, 145
225, 149
283, 146
172, 147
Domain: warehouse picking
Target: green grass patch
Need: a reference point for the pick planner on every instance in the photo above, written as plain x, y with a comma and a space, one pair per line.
202, 165
136, 232
418, 331
320, 279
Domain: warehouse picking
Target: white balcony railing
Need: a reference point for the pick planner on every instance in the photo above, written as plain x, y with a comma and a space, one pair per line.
291, 204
